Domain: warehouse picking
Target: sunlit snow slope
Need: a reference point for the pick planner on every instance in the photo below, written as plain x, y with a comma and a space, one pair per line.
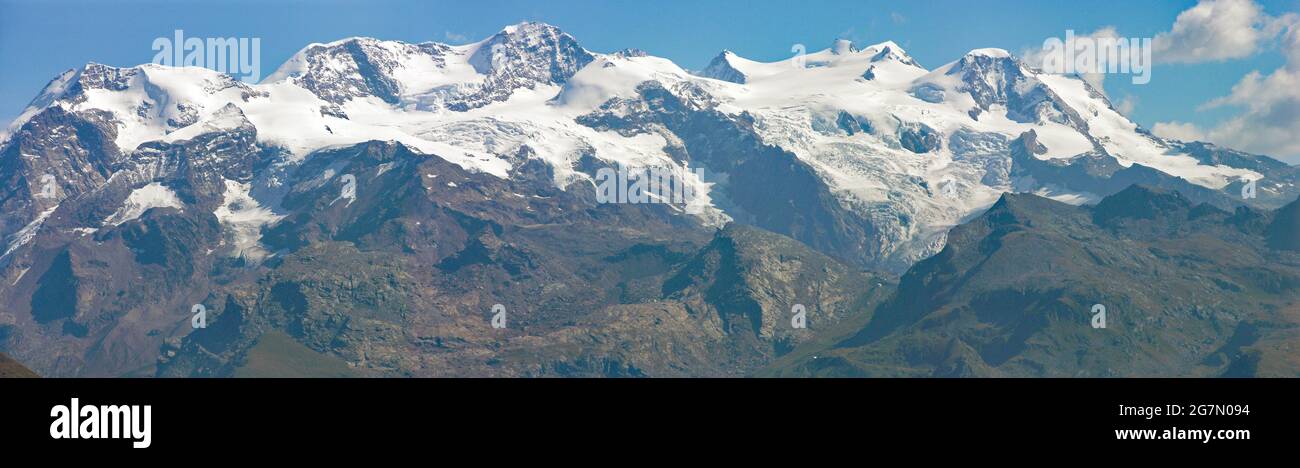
906, 150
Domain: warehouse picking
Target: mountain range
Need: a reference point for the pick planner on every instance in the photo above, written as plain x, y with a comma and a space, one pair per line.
371, 207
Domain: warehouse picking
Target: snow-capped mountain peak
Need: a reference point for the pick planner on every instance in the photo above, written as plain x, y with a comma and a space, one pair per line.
146, 101
889, 50
525, 55
879, 131
721, 68
359, 67
539, 50
843, 47
990, 52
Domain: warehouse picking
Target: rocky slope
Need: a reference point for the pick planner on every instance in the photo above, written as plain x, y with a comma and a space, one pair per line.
1187, 290
372, 201
11, 369
895, 153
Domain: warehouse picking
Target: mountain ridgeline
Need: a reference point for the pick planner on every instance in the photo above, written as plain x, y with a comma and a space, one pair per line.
380, 208
1186, 289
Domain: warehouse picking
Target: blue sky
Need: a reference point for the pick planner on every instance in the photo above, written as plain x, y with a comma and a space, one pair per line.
40, 39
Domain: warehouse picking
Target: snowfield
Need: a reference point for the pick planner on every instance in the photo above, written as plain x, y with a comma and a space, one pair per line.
882, 131
154, 195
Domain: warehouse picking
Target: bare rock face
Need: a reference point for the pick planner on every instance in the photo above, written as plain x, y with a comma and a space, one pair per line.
991, 78
360, 67
54, 156
918, 138
1017, 293
720, 68
389, 241
1284, 232
405, 279
523, 56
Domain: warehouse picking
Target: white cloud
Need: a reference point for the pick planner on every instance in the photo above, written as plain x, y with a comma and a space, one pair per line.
1126, 105
453, 37
1269, 118
1213, 30
1268, 121
1288, 26
1178, 131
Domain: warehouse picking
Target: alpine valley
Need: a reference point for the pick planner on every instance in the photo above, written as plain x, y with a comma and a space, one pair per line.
370, 207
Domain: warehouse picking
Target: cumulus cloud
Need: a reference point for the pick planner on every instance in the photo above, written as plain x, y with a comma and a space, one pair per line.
1270, 118
1269, 103
1288, 26
1213, 30
1178, 131
1126, 105
453, 37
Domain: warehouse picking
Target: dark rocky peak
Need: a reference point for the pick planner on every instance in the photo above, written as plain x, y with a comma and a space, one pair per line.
890, 51
748, 276
918, 137
1140, 202
356, 67
1016, 227
988, 59
994, 76
535, 51
1284, 232
99, 76
720, 68
1020, 296
1027, 143
62, 152
1024, 209
642, 114
72, 84
630, 52
843, 47
990, 70
522, 56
